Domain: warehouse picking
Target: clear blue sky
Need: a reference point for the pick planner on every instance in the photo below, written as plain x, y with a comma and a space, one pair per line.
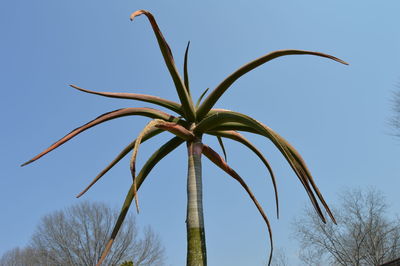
335, 115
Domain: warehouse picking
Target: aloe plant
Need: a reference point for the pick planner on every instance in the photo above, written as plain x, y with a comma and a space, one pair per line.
190, 124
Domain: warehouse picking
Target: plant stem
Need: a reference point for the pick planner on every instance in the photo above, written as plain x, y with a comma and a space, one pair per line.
196, 241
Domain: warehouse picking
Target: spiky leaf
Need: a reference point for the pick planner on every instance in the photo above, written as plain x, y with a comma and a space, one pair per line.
213, 97
186, 100
171, 105
185, 69
221, 144
147, 112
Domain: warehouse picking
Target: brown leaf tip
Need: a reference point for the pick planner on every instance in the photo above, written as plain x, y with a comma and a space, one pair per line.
341, 61
138, 13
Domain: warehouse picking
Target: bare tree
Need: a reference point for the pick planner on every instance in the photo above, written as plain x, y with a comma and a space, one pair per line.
77, 236
364, 235
21, 257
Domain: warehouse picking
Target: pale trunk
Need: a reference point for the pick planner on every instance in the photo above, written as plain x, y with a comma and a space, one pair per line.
196, 242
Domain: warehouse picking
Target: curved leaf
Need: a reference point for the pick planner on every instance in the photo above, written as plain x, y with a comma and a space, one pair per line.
219, 118
148, 112
240, 138
186, 100
213, 97
151, 162
171, 105
122, 154
303, 166
219, 161
132, 162
174, 128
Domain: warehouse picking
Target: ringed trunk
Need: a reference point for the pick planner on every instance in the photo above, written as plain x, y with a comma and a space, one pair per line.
196, 242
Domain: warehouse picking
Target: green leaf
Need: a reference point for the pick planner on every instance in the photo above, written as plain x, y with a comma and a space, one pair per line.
240, 138
147, 112
213, 97
171, 105
185, 69
151, 162
222, 146
121, 155
233, 126
186, 100
201, 97
219, 118
219, 161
